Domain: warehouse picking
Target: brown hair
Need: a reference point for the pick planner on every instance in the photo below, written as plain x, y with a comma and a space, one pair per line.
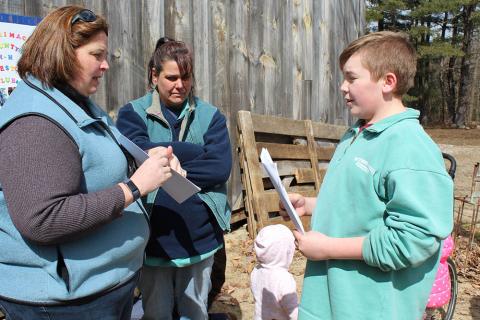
384, 52
49, 53
168, 49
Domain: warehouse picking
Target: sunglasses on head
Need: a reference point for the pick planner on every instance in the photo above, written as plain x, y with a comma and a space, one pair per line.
85, 15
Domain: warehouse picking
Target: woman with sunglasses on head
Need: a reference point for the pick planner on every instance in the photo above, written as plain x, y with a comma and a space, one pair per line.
72, 230
186, 236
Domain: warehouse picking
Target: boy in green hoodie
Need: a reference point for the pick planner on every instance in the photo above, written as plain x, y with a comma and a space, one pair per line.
385, 203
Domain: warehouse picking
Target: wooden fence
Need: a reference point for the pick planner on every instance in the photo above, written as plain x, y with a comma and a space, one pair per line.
271, 57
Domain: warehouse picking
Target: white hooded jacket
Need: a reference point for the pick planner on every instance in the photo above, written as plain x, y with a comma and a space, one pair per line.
273, 286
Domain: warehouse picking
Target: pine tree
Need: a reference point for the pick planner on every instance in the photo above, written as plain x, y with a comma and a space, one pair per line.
442, 32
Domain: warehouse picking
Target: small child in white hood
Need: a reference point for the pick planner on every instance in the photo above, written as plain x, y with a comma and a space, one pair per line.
273, 287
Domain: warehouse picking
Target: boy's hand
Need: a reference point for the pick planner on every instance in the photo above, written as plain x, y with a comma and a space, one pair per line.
313, 245
317, 246
298, 202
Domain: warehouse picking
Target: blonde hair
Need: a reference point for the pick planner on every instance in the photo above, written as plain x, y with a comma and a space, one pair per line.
384, 52
49, 53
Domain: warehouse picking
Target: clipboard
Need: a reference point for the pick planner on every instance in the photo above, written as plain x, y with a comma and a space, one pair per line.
178, 187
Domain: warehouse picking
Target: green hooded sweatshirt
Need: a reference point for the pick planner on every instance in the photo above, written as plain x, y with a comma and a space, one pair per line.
388, 184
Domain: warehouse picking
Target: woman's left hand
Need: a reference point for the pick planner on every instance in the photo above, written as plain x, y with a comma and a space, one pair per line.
175, 165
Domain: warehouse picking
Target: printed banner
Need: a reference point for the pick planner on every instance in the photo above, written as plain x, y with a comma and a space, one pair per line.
14, 31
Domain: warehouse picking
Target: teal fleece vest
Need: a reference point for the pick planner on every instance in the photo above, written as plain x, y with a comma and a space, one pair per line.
98, 261
198, 117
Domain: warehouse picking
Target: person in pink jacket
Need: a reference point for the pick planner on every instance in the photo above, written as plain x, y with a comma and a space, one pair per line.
440, 294
273, 286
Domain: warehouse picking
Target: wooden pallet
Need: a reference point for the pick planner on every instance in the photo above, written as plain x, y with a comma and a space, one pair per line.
301, 149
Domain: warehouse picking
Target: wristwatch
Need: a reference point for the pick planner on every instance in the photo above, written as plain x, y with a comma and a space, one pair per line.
133, 188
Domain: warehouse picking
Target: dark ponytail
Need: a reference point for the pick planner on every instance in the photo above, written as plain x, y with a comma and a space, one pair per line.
168, 49
151, 64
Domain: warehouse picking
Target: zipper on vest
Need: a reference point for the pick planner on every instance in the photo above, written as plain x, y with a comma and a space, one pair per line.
164, 121
183, 128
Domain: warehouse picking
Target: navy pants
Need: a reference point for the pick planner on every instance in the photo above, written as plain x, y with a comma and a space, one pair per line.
115, 305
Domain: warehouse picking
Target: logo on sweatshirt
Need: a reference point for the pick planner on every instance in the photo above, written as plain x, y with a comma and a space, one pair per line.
364, 165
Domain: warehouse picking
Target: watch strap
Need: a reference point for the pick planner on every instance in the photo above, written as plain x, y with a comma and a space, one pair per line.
133, 188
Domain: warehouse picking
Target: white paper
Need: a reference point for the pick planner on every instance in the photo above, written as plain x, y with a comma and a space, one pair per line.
138, 154
178, 187
272, 171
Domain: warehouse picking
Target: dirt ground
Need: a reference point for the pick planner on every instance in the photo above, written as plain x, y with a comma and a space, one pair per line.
236, 297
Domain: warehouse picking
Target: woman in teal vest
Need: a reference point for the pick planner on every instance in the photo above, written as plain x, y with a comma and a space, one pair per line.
186, 236
72, 228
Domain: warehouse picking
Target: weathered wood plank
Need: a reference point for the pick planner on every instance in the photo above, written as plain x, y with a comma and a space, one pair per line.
308, 176
270, 58
237, 79
255, 47
271, 200
247, 182
252, 165
303, 189
325, 153
284, 151
303, 58
287, 61
179, 18
328, 131
127, 72
201, 49
219, 52
304, 175
297, 66
13, 7
278, 125
238, 216
312, 146
238, 67
321, 86
153, 28
289, 167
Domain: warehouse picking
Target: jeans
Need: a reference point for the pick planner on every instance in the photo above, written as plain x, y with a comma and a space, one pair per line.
218, 274
114, 305
186, 288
